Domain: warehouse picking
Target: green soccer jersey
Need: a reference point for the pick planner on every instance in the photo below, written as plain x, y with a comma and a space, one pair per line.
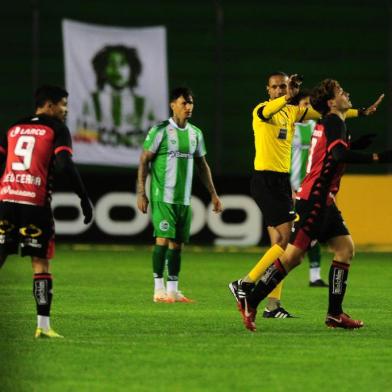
172, 167
300, 151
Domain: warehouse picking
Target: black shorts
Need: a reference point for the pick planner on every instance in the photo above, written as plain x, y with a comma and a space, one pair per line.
272, 193
316, 222
31, 227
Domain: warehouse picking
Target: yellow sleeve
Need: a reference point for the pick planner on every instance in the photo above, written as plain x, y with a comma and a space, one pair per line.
307, 114
272, 107
352, 113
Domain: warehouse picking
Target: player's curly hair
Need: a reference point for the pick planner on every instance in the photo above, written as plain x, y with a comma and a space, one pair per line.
100, 61
321, 94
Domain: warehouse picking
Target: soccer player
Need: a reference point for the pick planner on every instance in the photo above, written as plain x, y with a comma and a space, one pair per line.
319, 217
172, 147
30, 148
299, 157
273, 126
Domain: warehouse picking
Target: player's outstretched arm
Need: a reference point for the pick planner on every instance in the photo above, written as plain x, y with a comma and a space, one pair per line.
205, 175
341, 154
142, 201
65, 164
372, 108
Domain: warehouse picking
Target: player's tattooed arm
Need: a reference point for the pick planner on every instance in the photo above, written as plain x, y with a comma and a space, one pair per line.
142, 201
205, 175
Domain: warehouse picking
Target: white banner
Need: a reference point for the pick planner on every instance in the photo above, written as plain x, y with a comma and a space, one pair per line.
117, 84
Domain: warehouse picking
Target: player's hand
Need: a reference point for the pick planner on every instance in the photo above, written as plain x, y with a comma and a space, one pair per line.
217, 204
87, 209
385, 156
362, 142
373, 108
295, 82
142, 202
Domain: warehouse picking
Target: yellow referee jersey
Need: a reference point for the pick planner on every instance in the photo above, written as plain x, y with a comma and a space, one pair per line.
273, 127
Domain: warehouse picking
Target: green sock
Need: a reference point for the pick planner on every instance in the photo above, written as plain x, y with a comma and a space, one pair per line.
173, 264
158, 260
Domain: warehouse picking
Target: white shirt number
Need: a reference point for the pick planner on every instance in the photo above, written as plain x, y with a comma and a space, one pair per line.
24, 148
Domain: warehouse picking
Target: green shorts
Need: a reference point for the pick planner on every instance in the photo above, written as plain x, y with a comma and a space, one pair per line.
171, 221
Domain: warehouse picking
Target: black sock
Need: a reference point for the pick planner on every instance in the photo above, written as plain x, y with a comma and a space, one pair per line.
42, 291
274, 274
173, 264
337, 286
246, 288
158, 260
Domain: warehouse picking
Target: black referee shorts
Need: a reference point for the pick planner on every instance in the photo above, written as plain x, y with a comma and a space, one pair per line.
272, 193
316, 222
31, 227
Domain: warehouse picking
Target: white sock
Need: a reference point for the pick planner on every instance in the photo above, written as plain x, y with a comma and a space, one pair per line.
314, 274
172, 285
159, 284
43, 322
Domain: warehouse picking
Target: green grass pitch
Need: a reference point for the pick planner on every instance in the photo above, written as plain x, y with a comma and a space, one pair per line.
117, 339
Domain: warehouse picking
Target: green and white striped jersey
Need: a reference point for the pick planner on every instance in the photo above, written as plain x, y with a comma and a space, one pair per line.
172, 167
299, 152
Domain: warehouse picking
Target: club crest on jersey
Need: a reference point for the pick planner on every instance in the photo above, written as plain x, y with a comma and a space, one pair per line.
164, 225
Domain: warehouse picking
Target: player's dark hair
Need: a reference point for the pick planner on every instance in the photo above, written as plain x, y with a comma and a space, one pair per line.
276, 73
301, 95
321, 94
49, 93
100, 61
178, 92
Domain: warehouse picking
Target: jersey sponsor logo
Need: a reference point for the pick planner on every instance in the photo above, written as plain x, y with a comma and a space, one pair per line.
7, 190
27, 131
178, 154
32, 242
282, 134
164, 225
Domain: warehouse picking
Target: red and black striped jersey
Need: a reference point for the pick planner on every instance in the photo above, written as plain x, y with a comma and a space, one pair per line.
30, 147
323, 172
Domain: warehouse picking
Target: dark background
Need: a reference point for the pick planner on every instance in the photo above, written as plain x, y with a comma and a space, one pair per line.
223, 50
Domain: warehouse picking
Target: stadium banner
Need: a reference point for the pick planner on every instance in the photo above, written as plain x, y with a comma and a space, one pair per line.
117, 81
117, 219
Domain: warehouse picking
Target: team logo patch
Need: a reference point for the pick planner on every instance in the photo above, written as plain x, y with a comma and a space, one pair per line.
6, 227
30, 231
164, 225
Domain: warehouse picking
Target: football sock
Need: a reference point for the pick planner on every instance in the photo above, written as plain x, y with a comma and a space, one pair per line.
158, 260
42, 291
269, 257
159, 284
172, 286
338, 274
274, 274
314, 255
314, 274
274, 297
173, 264
43, 322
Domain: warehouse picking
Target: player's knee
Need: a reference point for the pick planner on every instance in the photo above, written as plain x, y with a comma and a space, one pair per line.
40, 265
345, 254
